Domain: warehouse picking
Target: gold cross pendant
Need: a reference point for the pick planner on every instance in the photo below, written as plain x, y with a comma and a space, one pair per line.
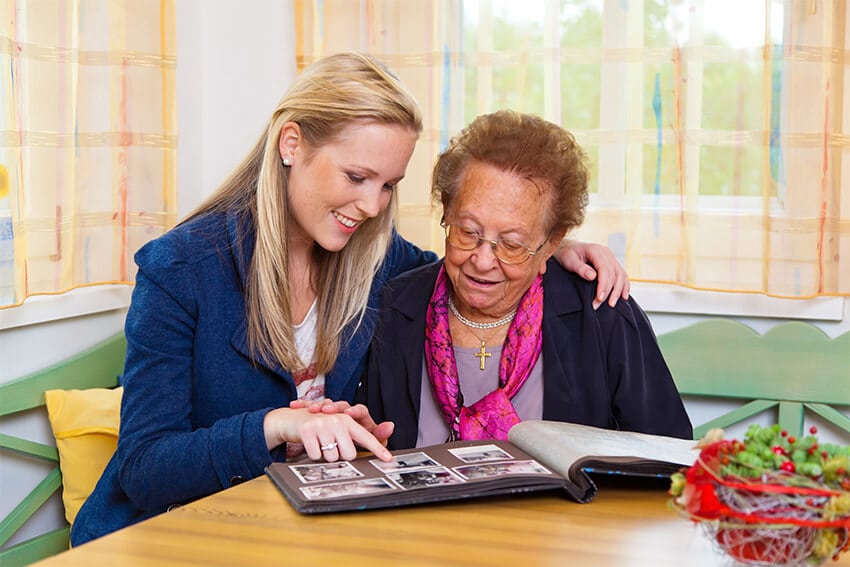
482, 354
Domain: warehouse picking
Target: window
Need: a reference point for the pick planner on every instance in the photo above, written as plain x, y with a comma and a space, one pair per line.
716, 128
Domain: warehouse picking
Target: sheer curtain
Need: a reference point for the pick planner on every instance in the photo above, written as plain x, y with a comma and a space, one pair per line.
87, 140
716, 127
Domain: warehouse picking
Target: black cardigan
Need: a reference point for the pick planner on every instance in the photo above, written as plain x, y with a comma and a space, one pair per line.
600, 368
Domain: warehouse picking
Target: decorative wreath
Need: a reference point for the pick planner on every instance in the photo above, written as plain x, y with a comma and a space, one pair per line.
770, 499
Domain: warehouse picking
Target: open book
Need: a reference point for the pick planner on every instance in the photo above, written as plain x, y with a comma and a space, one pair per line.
541, 455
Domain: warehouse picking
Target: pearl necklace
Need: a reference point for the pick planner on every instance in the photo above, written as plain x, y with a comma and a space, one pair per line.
492, 325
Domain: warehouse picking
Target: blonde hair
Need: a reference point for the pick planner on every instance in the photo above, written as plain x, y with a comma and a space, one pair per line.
323, 99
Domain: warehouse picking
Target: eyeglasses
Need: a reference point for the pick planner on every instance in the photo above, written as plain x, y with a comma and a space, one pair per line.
506, 250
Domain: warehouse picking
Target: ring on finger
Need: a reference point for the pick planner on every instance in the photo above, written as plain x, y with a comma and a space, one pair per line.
329, 446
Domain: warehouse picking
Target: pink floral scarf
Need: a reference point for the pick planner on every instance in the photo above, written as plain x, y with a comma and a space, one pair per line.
493, 415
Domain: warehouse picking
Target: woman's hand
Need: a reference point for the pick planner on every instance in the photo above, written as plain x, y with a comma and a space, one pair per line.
590, 260
359, 413
318, 406
328, 436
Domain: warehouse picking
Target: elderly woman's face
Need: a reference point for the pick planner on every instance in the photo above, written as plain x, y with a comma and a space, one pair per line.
497, 205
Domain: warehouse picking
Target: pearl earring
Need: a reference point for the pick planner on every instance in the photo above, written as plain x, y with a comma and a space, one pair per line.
287, 161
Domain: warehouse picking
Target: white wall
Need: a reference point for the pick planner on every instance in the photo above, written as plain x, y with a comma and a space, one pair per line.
234, 61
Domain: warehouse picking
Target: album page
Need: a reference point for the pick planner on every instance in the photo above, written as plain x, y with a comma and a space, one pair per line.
463, 469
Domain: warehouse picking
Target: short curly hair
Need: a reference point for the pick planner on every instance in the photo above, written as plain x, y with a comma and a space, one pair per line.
528, 146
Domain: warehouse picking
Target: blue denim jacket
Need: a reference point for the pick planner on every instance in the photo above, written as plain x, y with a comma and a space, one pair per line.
194, 398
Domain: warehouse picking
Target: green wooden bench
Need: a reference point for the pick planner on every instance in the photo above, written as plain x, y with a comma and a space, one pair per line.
97, 367
792, 369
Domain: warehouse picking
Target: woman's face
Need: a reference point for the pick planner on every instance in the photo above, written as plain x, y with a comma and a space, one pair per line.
334, 188
498, 205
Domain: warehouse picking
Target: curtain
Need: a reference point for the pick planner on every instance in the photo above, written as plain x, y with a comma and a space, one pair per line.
715, 127
87, 140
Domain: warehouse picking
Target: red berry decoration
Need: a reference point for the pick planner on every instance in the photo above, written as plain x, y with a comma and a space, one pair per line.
760, 506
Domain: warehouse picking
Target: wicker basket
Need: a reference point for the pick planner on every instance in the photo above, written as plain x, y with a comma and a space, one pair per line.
779, 518
753, 537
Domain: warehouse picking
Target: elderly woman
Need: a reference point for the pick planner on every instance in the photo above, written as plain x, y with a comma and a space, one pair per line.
498, 332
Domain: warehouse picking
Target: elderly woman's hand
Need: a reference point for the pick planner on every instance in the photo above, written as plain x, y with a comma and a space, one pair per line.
359, 412
590, 260
319, 406
328, 436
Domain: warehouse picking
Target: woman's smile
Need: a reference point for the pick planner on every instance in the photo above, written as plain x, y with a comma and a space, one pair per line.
345, 221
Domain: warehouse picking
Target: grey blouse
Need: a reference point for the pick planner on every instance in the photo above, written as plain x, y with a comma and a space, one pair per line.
475, 384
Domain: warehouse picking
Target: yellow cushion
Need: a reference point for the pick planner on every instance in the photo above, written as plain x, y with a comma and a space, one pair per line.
85, 424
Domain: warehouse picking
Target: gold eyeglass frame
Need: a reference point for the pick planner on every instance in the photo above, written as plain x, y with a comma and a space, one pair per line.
494, 244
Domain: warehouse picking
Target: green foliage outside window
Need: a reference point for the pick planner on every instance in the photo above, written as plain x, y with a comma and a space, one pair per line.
731, 119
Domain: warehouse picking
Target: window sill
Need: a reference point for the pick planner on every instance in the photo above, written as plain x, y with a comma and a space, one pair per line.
662, 298
75, 303
654, 298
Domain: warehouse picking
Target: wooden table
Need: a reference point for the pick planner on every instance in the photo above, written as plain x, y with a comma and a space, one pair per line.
628, 524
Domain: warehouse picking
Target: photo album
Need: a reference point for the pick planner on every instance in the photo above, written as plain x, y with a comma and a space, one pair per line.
540, 455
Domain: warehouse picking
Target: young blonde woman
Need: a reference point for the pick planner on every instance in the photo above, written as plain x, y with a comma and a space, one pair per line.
266, 295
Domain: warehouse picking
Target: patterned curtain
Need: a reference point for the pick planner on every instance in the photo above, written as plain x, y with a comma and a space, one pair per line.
88, 138
715, 127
